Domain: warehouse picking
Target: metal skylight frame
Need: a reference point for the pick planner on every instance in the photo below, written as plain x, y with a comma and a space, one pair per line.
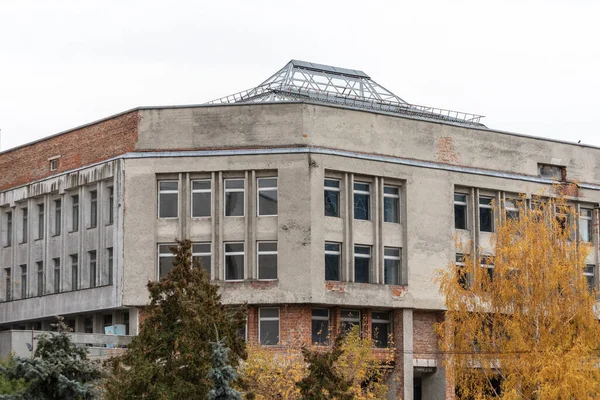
300, 80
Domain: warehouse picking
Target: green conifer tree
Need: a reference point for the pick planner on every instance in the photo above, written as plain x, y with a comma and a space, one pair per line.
171, 356
222, 374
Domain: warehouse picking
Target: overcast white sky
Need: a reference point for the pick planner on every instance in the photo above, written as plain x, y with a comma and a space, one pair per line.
531, 67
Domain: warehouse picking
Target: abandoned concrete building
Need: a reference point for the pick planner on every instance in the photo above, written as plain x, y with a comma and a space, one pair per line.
319, 197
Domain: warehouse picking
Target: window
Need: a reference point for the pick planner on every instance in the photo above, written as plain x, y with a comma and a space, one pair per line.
201, 253
590, 276
362, 200
332, 197
512, 209
267, 196
168, 199
165, 259
349, 319
461, 273
109, 255
486, 214
234, 261
320, 326
75, 213
268, 326
93, 270
88, 324
267, 260
333, 262
362, 264
111, 205
201, 198
391, 265
487, 262
9, 228
23, 281
40, 221
53, 164
460, 211
93, 209
25, 224
234, 197
57, 275
74, 272
554, 172
585, 225
381, 328
8, 283
57, 216
391, 204
40, 278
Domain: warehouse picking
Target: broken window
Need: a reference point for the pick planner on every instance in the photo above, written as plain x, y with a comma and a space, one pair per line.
362, 200
554, 172
589, 272
332, 197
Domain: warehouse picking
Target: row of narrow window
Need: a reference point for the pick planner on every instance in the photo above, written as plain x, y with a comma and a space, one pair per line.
381, 325
58, 210
486, 215
57, 277
487, 262
266, 261
267, 199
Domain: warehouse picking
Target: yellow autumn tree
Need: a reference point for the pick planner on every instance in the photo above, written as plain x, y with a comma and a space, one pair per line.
521, 323
274, 374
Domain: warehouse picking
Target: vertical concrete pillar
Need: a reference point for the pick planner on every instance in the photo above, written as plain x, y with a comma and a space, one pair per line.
407, 346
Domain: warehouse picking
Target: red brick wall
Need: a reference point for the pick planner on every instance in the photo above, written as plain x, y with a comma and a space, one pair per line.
77, 148
425, 340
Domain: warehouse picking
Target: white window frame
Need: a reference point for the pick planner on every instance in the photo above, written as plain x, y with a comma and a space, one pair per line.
320, 318
510, 205
259, 189
489, 265
592, 274
159, 254
392, 196
259, 253
590, 220
361, 255
334, 253
465, 204
193, 191
204, 254
367, 192
395, 258
333, 189
234, 253
167, 191
488, 207
278, 319
351, 319
382, 321
226, 190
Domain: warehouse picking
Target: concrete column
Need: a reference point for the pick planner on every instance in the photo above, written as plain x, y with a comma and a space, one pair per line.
407, 347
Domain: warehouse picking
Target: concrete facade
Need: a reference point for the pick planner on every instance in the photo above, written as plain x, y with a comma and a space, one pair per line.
301, 144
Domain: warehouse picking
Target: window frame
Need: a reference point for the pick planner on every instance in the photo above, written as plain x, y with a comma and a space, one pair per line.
364, 255
321, 318
265, 189
57, 288
24, 281
167, 191
8, 284
234, 253
195, 191
204, 254
590, 223
392, 196
592, 274
75, 213
93, 209
337, 253
464, 204
357, 320
111, 204
487, 262
267, 252
41, 219
57, 217
379, 321
74, 271
93, 261
9, 228
394, 258
511, 208
110, 264
234, 190
41, 278
159, 255
25, 222
362, 192
487, 207
338, 190
269, 319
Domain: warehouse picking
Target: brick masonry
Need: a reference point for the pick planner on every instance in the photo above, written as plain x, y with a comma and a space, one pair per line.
76, 148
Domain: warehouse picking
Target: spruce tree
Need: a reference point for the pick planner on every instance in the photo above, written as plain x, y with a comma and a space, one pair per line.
222, 374
171, 356
59, 369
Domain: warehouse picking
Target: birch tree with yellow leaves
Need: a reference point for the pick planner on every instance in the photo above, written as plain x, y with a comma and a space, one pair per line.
521, 323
